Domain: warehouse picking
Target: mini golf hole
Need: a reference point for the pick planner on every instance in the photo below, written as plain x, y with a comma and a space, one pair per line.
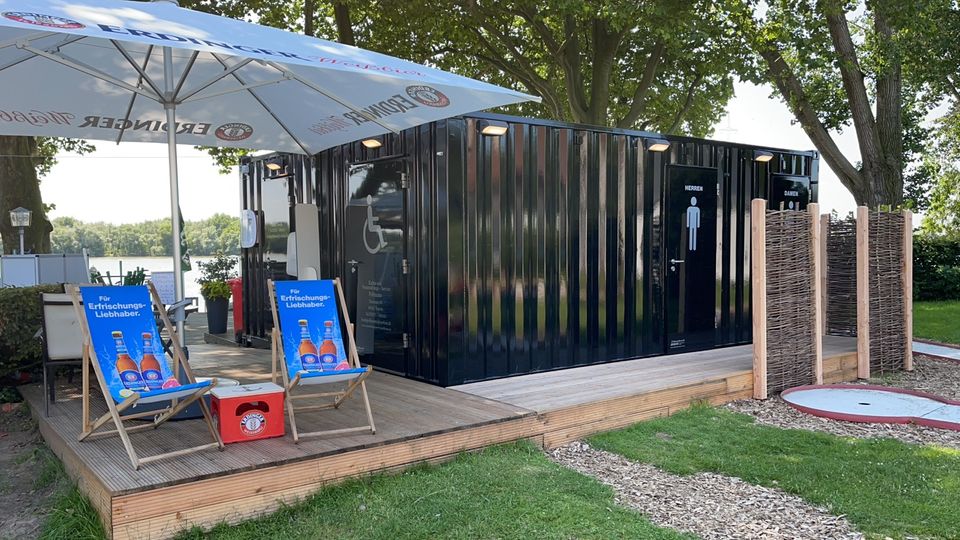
863, 403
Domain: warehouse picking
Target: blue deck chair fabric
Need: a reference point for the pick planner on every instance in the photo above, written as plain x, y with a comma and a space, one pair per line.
307, 319
310, 329
123, 333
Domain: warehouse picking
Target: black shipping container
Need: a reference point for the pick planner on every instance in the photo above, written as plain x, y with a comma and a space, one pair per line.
468, 257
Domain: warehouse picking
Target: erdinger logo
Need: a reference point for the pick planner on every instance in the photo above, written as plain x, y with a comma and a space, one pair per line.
253, 423
234, 131
425, 95
40, 19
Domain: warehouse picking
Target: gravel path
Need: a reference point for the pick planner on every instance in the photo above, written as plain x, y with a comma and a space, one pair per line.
940, 377
711, 506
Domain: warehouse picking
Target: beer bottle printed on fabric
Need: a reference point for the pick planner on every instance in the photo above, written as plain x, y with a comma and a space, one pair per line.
328, 349
126, 367
309, 359
149, 365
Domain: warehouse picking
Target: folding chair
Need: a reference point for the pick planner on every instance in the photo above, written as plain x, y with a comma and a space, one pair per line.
114, 320
298, 307
61, 339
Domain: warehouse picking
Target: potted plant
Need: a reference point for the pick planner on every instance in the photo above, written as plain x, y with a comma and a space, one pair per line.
216, 291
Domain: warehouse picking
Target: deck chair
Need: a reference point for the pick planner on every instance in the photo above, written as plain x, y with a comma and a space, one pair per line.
306, 313
116, 324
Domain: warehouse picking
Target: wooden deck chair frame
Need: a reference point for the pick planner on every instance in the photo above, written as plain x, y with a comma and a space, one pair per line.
337, 397
89, 428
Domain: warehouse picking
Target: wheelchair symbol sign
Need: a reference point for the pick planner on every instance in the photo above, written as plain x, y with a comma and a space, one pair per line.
371, 226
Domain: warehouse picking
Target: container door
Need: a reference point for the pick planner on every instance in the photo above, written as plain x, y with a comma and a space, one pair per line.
691, 258
375, 250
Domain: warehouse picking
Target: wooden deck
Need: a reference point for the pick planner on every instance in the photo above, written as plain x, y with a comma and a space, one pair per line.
416, 423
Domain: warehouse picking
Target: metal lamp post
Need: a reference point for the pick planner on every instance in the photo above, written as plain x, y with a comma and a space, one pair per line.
20, 217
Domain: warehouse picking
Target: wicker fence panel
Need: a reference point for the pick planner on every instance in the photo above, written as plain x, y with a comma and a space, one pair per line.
790, 309
841, 265
888, 339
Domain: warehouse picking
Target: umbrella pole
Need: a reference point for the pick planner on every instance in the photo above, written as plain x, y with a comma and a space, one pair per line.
171, 110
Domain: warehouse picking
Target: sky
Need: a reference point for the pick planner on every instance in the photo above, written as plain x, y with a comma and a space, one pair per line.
128, 183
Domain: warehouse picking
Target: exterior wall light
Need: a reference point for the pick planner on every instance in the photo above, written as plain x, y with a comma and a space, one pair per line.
492, 128
657, 145
371, 143
762, 155
274, 164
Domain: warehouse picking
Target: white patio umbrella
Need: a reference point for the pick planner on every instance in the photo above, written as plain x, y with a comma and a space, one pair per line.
124, 71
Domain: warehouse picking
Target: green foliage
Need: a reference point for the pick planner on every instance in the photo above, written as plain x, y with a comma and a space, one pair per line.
225, 158
508, 492
218, 233
49, 147
10, 395
861, 64
135, 277
936, 268
883, 486
21, 317
214, 290
941, 170
937, 321
586, 60
214, 275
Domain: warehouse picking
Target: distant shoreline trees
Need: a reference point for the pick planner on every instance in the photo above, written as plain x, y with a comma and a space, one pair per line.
220, 233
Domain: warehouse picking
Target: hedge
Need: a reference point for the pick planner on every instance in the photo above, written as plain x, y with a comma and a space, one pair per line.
936, 268
21, 316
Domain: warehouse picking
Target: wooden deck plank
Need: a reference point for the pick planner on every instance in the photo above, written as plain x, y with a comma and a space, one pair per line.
417, 423
404, 409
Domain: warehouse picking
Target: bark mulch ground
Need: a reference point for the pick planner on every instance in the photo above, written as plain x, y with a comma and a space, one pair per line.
711, 506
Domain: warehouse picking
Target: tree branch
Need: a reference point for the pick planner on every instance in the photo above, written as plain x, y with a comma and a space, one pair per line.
793, 93
952, 87
856, 91
687, 103
521, 69
639, 103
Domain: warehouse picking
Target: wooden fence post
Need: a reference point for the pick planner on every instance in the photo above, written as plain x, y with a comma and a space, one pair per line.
758, 289
815, 248
863, 292
907, 274
824, 233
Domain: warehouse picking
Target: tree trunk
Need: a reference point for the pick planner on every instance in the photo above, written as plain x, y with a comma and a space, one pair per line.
309, 14
19, 187
341, 14
889, 182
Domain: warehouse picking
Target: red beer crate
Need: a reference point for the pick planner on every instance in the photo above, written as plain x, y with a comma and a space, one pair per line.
248, 412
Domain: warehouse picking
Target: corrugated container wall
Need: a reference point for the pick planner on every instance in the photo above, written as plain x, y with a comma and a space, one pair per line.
543, 248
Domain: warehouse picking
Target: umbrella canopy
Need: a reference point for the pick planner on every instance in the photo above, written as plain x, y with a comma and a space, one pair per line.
95, 69
126, 71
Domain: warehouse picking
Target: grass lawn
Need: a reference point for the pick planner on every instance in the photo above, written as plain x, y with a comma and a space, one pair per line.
510, 491
71, 514
885, 487
938, 321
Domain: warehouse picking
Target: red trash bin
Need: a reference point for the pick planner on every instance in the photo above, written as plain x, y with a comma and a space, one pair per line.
236, 288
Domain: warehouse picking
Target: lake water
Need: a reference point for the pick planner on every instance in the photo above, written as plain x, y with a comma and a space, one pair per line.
153, 264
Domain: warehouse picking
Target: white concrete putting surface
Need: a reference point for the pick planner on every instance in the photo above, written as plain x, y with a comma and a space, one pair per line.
856, 403
936, 350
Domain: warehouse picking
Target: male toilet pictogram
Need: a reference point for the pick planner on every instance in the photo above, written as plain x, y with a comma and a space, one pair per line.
693, 224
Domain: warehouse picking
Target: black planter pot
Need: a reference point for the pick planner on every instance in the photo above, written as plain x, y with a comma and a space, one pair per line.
217, 315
